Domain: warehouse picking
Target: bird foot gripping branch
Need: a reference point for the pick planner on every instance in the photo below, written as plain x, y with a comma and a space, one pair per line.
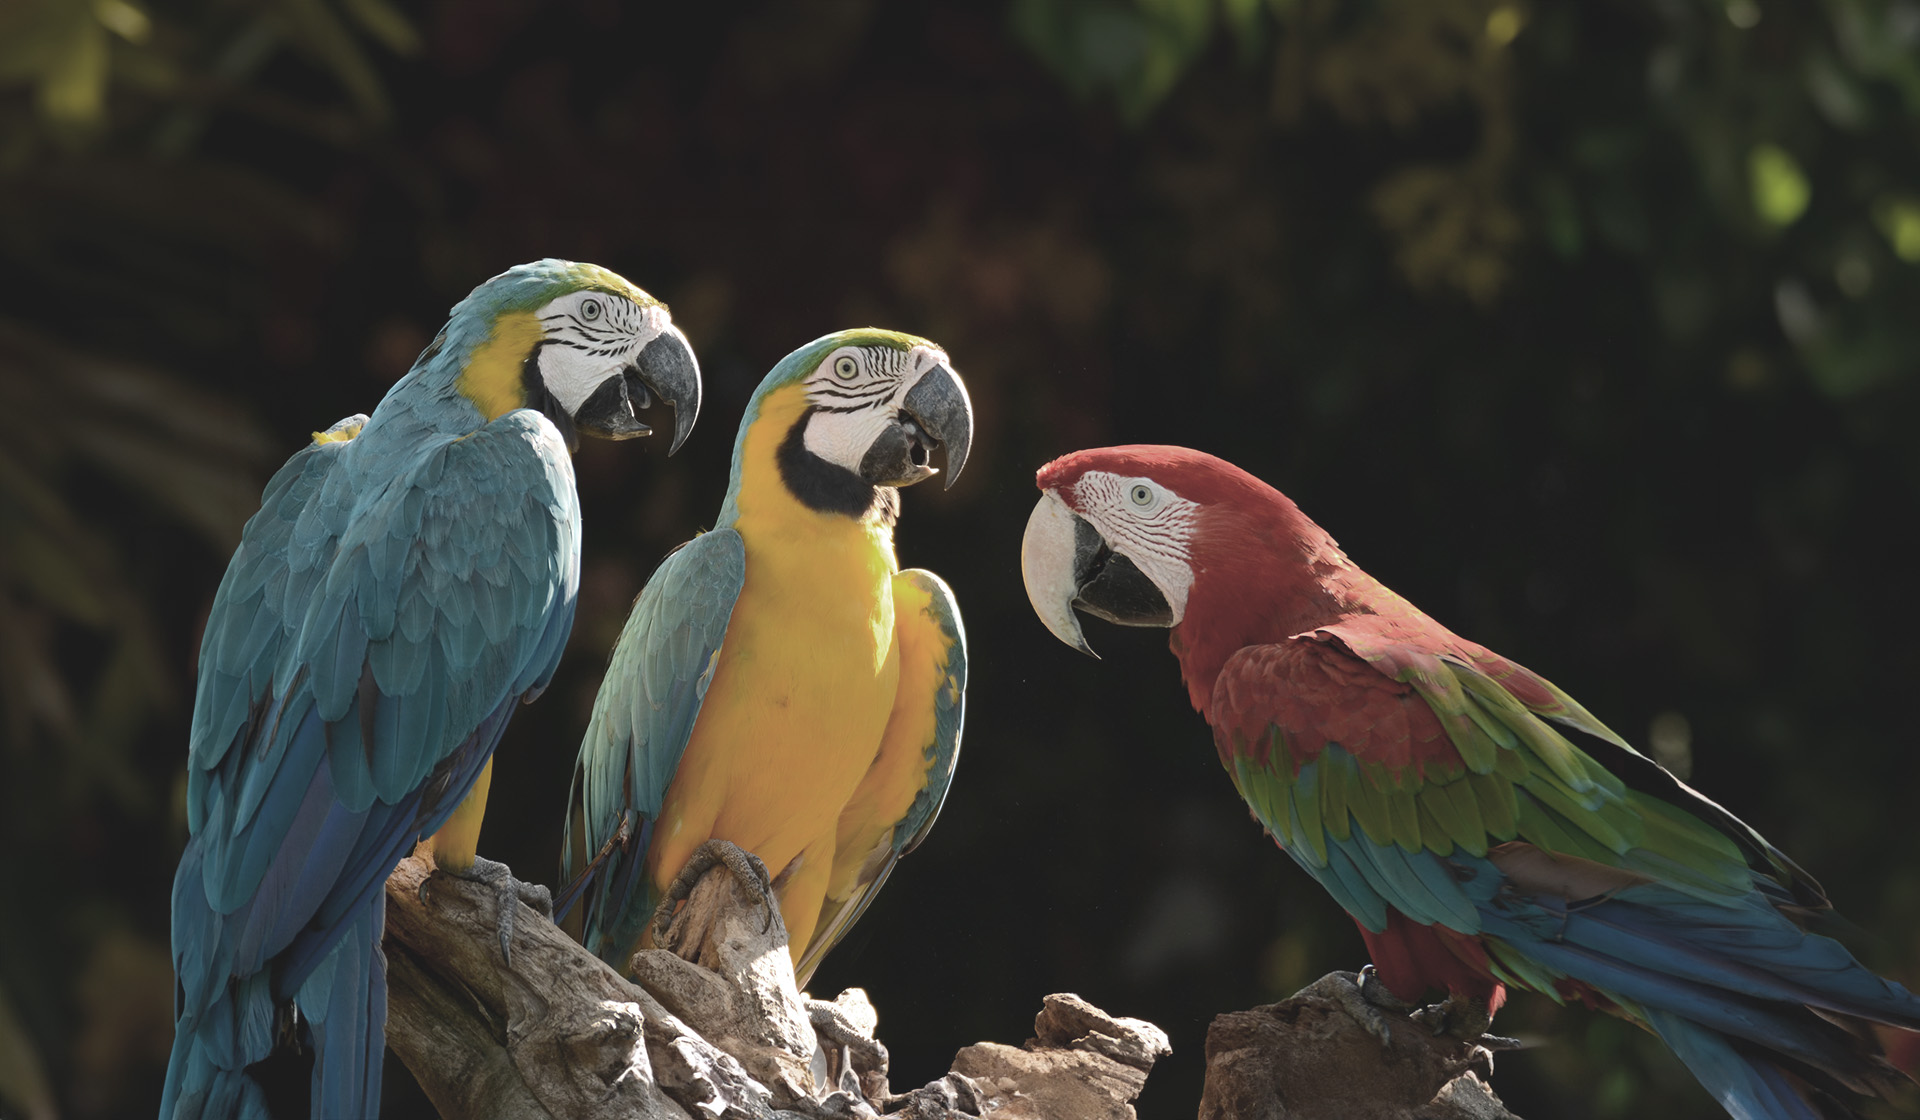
1368, 999
745, 866
508, 891
1329, 1051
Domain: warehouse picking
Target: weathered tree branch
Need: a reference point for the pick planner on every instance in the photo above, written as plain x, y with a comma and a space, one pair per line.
1310, 1058
714, 1029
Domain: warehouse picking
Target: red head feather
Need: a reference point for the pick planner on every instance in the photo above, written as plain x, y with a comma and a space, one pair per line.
1262, 571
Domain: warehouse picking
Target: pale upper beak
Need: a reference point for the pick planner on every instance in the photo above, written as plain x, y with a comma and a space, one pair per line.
1052, 555
1069, 567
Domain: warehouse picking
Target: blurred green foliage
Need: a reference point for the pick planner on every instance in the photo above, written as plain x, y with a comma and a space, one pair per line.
1589, 327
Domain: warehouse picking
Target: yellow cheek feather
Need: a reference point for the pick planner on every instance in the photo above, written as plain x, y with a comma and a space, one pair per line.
803, 690
492, 379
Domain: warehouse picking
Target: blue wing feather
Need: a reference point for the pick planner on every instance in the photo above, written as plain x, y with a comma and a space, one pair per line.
950, 713
642, 718
350, 694
1712, 951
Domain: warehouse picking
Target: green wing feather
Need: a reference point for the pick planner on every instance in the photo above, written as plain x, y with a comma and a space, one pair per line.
1504, 769
655, 683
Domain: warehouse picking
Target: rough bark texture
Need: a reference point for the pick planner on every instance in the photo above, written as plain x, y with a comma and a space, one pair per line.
713, 1029
556, 1034
726, 972
1082, 1063
1309, 1058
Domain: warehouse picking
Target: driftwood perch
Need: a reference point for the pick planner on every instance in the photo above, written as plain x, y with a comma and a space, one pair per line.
1309, 1058
713, 1029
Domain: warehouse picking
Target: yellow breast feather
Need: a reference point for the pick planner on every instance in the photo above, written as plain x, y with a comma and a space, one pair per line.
802, 692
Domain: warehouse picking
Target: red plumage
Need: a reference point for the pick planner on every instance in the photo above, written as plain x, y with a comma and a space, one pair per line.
1411, 957
1593, 874
1265, 573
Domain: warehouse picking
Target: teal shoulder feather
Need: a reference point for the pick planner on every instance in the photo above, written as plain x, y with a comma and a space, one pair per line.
654, 686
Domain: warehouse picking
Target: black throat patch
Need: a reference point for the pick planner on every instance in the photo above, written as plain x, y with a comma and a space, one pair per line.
534, 389
828, 487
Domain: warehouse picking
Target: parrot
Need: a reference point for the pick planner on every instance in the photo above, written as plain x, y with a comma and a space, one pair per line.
409, 580
781, 686
1483, 829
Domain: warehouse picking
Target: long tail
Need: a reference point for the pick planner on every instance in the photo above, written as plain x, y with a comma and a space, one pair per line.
206, 1074
1771, 1018
224, 1025
1748, 1086
345, 1004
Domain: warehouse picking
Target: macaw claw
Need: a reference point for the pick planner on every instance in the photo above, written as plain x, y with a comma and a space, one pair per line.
853, 1049
508, 893
1369, 1002
1465, 1019
1364, 998
746, 868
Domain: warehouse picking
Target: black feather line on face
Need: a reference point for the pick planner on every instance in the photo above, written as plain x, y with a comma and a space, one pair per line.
534, 388
829, 487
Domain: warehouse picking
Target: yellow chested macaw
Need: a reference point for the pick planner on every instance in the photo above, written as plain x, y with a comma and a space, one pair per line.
408, 582
781, 684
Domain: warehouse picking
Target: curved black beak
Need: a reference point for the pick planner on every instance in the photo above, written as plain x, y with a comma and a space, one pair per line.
936, 414
1067, 565
668, 368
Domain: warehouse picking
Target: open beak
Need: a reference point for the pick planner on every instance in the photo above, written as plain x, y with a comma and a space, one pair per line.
935, 414
666, 367
1068, 566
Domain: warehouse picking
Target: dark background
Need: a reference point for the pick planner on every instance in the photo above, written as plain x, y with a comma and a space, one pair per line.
1594, 329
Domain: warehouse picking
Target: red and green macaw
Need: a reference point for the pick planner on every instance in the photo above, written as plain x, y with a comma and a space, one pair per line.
408, 583
1483, 829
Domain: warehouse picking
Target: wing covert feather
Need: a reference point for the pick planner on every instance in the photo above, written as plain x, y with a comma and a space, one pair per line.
655, 683
350, 545
1421, 768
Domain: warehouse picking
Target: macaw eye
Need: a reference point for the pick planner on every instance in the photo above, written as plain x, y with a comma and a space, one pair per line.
590, 310
1141, 494
845, 368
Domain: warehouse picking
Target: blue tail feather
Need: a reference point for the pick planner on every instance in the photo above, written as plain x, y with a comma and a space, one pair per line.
1748, 1088
1749, 1000
346, 1005
308, 930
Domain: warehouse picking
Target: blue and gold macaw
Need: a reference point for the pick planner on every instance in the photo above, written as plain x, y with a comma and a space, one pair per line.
781, 685
408, 581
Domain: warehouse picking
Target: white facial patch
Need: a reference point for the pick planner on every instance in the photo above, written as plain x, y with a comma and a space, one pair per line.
591, 336
856, 392
1148, 524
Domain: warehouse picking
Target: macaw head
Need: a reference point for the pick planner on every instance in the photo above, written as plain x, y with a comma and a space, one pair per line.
575, 341
1148, 535
868, 409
